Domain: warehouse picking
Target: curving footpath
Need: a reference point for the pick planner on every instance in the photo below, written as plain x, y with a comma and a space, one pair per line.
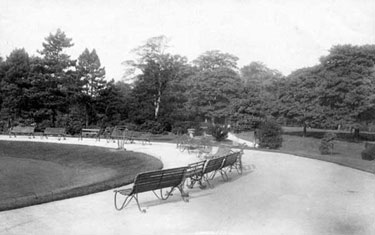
277, 194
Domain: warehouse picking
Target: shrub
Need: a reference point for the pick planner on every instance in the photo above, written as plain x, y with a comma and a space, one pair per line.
74, 127
327, 143
269, 135
153, 126
218, 132
368, 153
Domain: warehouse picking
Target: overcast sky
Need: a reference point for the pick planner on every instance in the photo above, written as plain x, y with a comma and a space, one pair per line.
284, 34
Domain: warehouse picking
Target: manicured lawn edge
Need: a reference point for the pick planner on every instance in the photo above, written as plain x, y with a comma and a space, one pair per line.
65, 193
74, 190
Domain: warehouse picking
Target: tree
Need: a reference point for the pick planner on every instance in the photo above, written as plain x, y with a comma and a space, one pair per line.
59, 78
14, 85
338, 91
214, 86
348, 85
154, 85
91, 72
261, 88
154, 72
298, 98
212, 93
92, 78
211, 60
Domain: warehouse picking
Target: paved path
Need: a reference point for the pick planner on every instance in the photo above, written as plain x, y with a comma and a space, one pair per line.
278, 194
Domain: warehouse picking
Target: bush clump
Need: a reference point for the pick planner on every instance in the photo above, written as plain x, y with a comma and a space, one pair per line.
327, 143
218, 132
153, 126
368, 153
269, 135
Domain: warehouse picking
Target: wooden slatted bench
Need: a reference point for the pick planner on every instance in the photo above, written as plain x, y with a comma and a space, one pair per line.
22, 130
54, 131
207, 169
153, 181
93, 133
211, 168
231, 161
194, 174
144, 137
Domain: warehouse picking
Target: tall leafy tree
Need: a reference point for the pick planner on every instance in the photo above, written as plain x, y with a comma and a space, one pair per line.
154, 70
348, 84
91, 72
59, 78
215, 85
338, 91
298, 98
215, 59
93, 82
261, 87
14, 85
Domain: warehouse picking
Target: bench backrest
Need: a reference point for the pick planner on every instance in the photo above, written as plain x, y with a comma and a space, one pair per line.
117, 132
154, 180
138, 134
231, 159
195, 168
22, 129
91, 130
54, 131
213, 165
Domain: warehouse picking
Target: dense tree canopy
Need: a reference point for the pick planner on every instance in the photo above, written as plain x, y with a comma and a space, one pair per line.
163, 90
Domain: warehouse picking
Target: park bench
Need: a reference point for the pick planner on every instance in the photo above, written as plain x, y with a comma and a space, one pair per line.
207, 169
203, 170
144, 137
197, 145
232, 161
117, 133
194, 173
53, 131
154, 181
22, 130
93, 133
211, 168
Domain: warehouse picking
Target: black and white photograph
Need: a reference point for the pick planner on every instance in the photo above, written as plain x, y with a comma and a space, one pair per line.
187, 117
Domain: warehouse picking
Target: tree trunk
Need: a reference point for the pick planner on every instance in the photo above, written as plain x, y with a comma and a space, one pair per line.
304, 129
157, 106
356, 134
86, 117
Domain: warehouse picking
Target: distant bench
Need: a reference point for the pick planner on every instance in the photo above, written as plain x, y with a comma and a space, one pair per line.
93, 133
143, 137
22, 130
54, 131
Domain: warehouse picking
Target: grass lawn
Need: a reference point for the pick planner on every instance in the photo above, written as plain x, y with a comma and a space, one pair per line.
32, 173
344, 153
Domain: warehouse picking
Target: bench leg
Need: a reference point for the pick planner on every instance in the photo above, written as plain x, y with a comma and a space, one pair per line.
224, 175
127, 201
195, 179
167, 194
